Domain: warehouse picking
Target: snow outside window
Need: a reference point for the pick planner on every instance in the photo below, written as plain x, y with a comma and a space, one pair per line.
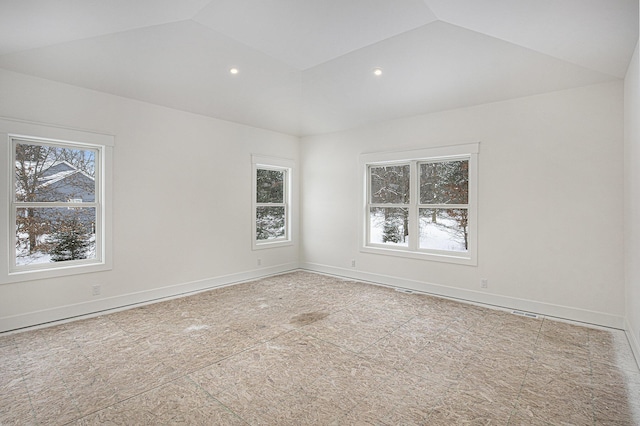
422, 204
48, 177
56, 221
271, 202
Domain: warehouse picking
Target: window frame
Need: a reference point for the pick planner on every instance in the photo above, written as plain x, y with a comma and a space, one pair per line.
16, 131
287, 167
414, 158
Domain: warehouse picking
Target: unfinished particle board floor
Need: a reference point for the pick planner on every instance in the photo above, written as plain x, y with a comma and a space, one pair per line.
303, 348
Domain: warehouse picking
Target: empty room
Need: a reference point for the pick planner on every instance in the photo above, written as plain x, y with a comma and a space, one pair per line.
319, 212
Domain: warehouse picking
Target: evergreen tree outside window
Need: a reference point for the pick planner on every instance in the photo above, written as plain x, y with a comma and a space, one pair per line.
422, 204
71, 241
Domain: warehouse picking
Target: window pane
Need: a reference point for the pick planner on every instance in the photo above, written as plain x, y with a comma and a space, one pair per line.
389, 184
270, 186
445, 182
444, 229
389, 226
55, 234
49, 173
270, 223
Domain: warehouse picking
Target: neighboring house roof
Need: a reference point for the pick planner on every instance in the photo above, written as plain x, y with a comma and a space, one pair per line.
52, 175
56, 175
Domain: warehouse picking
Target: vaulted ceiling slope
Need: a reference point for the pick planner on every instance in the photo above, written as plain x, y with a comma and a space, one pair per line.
306, 66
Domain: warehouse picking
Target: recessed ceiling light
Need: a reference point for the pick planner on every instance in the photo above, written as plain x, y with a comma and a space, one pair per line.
234, 71
377, 71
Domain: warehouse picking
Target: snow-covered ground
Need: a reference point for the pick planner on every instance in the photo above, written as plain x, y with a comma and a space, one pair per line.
444, 235
24, 258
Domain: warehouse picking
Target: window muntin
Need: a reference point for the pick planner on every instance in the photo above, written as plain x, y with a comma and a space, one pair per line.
47, 232
422, 204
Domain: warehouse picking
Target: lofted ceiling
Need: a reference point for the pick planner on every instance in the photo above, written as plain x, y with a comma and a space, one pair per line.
306, 66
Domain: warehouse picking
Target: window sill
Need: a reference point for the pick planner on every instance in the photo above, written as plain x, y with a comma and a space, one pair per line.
272, 244
58, 271
461, 259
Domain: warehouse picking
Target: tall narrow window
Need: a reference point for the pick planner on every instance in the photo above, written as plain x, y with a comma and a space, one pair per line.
271, 208
444, 205
389, 204
422, 204
56, 204
271, 202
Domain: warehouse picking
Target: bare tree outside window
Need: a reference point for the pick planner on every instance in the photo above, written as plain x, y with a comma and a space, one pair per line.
441, 211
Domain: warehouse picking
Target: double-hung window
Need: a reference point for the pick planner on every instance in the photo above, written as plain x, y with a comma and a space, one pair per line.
57, 220
443, 205
422, 204
389, 203
272, 180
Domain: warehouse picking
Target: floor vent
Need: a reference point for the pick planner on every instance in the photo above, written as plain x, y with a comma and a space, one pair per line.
525, 314
405, 290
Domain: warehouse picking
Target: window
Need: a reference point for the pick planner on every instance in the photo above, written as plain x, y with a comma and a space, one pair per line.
443, 209
389, 204
271, 202
48, 177
57, 220
422, 204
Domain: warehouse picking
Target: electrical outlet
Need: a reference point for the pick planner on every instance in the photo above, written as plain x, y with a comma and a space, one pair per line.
484, 283
259, 262
96, 289
353, 263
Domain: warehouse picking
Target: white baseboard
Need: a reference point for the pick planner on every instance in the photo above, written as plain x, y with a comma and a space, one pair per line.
546, 309
632, 336
112, 304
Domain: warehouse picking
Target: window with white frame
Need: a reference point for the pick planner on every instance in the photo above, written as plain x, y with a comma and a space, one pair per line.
422, 204
56, 190
49, 176
271, 202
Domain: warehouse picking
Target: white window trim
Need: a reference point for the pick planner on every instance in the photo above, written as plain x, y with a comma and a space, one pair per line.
413, 157
28, 131
273, 163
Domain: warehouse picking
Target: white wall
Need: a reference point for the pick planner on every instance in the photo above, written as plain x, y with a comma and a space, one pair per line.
550, 190
181, 201
551, 187
632, 203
